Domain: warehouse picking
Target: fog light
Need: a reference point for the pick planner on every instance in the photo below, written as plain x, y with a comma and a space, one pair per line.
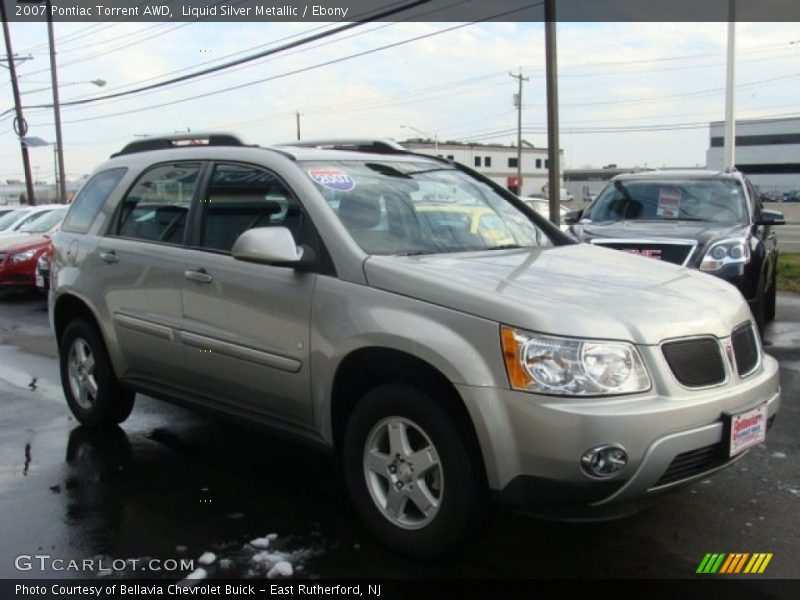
604, 461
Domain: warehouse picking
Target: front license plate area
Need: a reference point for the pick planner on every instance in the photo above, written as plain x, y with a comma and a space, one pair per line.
746, 429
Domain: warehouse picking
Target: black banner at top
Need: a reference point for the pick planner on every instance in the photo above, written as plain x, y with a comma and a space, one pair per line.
400, 10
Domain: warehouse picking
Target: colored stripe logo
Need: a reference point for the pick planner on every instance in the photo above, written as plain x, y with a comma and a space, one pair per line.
734, 563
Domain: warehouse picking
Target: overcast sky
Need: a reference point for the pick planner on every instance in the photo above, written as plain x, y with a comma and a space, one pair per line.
454, 84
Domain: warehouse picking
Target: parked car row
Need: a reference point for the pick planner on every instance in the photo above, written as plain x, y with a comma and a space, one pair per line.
25, 237
445, 341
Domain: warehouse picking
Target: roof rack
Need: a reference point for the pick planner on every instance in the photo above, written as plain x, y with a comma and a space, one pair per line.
181, 140
375, 146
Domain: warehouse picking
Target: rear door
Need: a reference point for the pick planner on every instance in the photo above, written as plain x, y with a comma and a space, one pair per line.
247, 325
141, 263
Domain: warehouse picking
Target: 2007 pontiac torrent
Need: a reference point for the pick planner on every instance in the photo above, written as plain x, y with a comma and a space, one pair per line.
406, 312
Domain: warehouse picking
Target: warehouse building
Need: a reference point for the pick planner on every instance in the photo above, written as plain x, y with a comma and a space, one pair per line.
767, 151
498, 162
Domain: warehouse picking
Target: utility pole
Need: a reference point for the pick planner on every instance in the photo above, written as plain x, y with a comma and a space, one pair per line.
551, 67
518, 103
730, 119
297, 117
20, 126
61, 187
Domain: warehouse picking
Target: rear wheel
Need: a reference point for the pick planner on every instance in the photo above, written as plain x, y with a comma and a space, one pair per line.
410, 472
92, 391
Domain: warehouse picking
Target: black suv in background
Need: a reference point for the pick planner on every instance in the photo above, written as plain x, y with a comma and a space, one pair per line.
707, 220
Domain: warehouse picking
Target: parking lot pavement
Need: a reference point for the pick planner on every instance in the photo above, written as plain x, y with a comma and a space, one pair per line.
171, 483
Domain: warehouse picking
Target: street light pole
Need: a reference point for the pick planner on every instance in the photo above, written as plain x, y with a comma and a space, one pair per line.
62, 175
20, 126
551, 74
730, 74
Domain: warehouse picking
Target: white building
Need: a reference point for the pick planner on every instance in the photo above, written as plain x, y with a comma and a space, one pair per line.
496, 161
767, 151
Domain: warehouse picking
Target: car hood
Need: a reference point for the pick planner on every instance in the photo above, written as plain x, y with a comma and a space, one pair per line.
689, 230
576, 290
13, 239
29, 242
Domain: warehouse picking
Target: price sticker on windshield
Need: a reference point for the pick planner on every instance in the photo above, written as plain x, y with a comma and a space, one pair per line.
669, 203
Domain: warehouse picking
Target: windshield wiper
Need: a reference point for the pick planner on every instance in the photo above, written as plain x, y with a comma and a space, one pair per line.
503, 247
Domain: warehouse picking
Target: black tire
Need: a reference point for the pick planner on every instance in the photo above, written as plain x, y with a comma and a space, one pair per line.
759, 307
771, 299
462, 496
112, 403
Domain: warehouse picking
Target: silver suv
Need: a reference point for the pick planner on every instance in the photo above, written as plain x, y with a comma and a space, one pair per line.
405, 311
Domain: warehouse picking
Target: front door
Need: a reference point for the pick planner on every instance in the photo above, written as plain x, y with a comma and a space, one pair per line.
246, 329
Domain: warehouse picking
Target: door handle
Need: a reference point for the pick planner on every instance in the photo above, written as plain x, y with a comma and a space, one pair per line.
109, 257
199, 276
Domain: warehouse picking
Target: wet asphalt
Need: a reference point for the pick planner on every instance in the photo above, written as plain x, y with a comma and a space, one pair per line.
174, 484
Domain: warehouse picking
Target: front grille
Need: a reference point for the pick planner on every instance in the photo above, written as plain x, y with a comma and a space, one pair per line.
745, 349
693, 463
695, 363
673, 253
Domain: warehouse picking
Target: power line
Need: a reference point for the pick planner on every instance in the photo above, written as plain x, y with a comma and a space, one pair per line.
299, 70
284, 54
246, 59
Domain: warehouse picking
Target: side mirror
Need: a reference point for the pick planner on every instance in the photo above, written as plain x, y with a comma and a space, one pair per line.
573, 217
273, 246
771, 217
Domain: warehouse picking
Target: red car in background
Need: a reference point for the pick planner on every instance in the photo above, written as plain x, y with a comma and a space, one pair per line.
18, 262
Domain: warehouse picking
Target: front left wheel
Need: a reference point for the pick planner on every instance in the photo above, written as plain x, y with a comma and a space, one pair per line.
92, 391
410, 472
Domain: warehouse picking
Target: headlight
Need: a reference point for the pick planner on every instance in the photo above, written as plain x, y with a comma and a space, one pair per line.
570, 367
726, 252
23, 256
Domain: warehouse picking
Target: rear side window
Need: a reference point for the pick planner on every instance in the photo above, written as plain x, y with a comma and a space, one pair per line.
157, 206
90, 200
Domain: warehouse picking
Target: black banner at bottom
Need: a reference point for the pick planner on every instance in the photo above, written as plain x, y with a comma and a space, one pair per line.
708, 589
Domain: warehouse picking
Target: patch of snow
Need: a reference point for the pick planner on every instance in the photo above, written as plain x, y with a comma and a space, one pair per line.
778, 455
267, 557
226, 564
199, 573
281, 569
260, 543
272, 537
705, 481
207, 558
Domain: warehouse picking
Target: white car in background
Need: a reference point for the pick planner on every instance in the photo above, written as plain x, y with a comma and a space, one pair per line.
542, 206
42, 223
11, 222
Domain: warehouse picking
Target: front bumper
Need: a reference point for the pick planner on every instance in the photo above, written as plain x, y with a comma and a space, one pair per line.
17, 275
532, 444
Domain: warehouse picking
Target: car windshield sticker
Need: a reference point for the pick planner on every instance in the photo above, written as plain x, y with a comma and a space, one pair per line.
669, 203
333, 179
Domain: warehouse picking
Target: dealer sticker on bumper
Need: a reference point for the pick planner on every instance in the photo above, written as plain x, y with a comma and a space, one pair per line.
748, 429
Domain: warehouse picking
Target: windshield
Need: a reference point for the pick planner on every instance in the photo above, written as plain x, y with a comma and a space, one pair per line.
712, 200
9, 219
393, 207
45, 222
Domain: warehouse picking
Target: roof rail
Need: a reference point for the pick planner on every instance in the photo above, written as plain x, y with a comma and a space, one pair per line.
181, 140
375, 146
